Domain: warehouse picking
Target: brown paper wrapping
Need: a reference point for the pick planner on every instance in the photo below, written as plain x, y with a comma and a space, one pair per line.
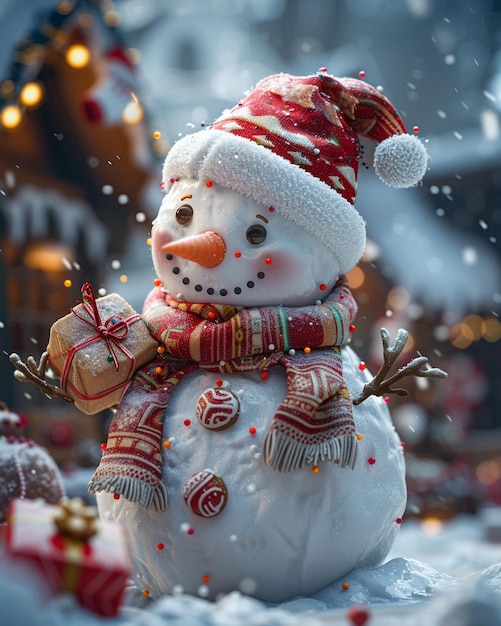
96, 358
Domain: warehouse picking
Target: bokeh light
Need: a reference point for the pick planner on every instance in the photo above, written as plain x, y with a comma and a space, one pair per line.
77, 56
11, 117
133, 113
31, 95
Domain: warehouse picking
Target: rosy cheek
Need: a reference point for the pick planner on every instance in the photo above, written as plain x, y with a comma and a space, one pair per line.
276, 263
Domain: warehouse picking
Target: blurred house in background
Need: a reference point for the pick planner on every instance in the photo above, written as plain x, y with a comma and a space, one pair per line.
76, 168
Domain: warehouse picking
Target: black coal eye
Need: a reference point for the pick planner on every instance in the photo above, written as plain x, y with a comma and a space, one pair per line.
184, 214
256, 234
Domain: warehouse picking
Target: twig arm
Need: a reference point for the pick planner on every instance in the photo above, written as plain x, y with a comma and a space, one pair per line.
33, 372
380, 385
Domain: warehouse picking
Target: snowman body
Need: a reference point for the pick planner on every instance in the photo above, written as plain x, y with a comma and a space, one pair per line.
274, 535
280, 535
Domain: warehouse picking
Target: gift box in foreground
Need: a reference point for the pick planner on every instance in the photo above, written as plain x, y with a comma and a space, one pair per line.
96, 349
72, 549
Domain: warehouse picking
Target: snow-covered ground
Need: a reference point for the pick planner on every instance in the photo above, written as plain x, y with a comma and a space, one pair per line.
438, 574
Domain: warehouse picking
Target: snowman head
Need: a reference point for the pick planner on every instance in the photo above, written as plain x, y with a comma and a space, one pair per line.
212, 244
291, 147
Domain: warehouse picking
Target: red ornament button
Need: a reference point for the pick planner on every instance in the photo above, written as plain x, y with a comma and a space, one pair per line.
205, 494
217, 409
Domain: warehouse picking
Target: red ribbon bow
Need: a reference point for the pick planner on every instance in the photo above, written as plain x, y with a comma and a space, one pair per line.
113, 331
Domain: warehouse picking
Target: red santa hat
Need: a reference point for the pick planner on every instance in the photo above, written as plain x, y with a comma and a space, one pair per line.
292, 143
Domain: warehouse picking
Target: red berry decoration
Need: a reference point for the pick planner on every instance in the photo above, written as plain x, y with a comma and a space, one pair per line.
358, 615
11, 423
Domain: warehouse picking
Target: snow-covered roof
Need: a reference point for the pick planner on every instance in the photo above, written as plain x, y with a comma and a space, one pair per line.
31, 211
441, 267
464, 151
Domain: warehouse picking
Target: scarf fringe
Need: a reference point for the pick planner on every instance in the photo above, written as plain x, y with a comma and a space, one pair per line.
283, 454
132, 489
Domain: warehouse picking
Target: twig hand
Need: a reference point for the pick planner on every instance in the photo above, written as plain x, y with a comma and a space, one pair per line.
419, 366
33, 372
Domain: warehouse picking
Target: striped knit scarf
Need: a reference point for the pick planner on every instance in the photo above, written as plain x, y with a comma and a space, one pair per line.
313, 423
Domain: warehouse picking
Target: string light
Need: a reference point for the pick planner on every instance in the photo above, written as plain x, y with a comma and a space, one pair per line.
31, 95
133, 113
52, 32
11, 116
77, 56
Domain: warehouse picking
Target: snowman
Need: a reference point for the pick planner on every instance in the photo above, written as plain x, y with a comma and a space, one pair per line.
255, 452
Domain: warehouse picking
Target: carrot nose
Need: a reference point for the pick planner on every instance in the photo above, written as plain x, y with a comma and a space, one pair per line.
207, 249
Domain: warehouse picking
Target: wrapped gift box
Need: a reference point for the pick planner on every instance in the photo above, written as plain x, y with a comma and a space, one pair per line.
95, 570
96, 349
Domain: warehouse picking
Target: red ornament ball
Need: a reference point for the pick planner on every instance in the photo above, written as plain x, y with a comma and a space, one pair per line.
217, 408
205, 494
27, 470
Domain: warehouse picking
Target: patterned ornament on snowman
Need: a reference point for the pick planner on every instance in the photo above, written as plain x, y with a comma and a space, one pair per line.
250, 246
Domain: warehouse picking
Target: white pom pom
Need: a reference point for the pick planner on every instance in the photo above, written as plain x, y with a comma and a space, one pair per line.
400, 161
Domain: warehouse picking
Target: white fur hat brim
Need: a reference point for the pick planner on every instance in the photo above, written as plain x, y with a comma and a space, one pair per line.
256, 172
